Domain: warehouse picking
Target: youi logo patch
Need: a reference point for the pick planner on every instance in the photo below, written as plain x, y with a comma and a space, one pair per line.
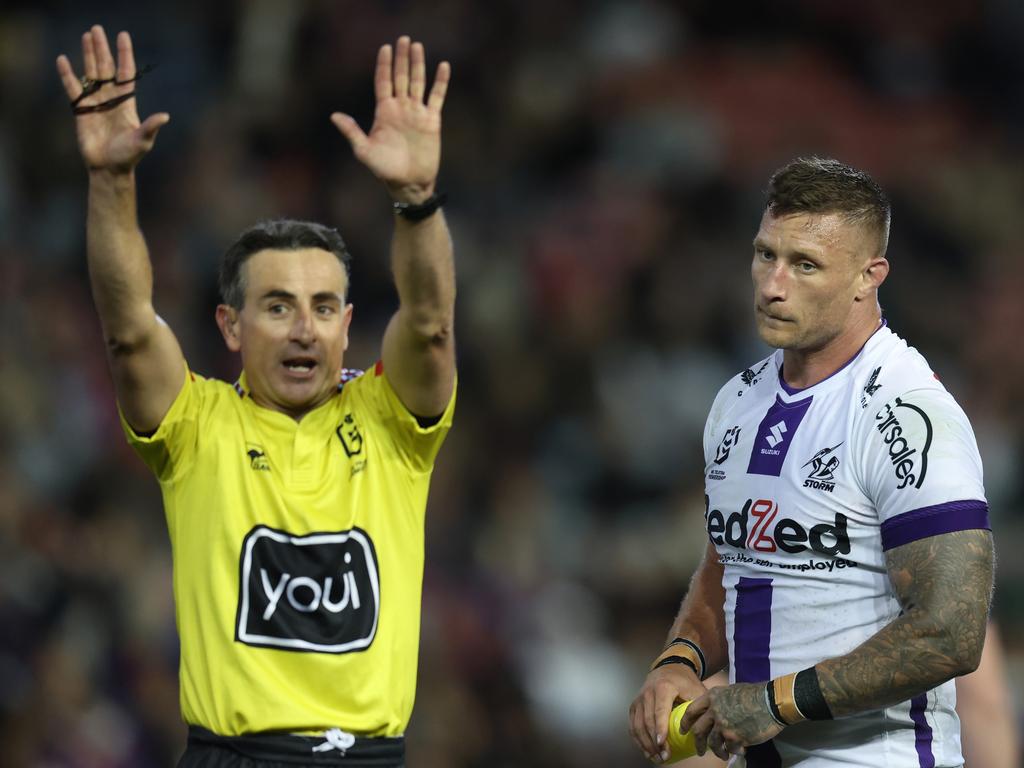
317, 593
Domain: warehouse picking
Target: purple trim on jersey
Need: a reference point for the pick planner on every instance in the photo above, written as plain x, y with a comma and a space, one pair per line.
966, 515
774, 436
752, 630
794, 391
751, 643
922, 731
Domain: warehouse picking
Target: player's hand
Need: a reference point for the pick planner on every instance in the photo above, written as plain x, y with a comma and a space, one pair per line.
727, 720
649, 713
403, 148
112, 140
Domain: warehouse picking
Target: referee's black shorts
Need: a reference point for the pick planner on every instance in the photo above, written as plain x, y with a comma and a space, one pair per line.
208, 750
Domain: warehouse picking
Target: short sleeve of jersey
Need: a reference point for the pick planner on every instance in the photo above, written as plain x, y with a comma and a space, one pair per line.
168, 451
415, 444
922, 469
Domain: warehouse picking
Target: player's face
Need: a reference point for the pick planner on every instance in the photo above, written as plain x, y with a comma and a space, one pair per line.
293, 328
809, 273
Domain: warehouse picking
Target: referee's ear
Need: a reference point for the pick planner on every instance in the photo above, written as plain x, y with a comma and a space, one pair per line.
227, 321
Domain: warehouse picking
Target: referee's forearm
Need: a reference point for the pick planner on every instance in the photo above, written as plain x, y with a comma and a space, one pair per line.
119, 268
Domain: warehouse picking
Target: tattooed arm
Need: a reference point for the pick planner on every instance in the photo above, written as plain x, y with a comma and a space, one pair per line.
944, 585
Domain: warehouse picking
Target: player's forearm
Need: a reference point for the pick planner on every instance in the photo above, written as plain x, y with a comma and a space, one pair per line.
119, 266
424, 271
945, 590
701, 617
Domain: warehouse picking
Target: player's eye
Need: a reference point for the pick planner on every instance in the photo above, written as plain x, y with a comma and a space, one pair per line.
807, 267
764, 255
325, 309
277, 309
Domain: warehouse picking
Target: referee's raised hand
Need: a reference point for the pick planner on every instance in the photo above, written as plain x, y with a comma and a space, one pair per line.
110, 135
403, 147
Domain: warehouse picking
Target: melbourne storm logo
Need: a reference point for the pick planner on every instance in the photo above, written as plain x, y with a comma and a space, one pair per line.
823, 466
906, 433
319, 592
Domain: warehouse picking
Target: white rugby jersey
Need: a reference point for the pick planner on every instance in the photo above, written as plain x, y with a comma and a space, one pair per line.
805, 491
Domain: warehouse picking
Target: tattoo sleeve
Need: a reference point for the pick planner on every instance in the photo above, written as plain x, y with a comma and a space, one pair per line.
944, 585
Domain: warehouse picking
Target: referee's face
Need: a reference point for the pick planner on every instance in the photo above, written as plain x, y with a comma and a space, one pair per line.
292, 330
815, 277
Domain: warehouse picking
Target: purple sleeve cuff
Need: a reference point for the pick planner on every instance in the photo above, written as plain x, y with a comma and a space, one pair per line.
921, 523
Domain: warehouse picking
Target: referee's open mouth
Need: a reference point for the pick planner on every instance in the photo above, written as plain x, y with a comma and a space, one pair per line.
300, 367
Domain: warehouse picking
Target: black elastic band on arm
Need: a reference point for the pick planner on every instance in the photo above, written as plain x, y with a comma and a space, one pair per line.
808, 697
696, 649
677, 660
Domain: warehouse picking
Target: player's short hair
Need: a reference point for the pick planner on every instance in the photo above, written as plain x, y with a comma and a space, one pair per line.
824, 185
280, 235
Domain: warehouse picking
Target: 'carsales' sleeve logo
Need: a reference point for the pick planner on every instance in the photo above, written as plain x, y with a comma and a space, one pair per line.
907, 435
319, 592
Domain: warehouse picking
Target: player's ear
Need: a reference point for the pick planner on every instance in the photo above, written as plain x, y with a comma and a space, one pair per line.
872, 276
227, 321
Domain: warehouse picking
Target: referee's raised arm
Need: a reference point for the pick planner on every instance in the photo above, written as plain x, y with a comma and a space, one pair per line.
403, 150
145, 358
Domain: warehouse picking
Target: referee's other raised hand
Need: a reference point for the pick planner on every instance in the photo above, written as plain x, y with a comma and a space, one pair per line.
114, 139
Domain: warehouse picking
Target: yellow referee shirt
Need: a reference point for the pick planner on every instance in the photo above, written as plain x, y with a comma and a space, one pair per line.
298, 555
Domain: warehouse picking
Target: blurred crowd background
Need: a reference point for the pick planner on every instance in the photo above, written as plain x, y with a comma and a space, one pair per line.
605, 163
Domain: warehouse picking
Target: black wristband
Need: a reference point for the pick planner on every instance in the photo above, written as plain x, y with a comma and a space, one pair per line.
677, 660
696, 649
422, 210
808, 697
773, 706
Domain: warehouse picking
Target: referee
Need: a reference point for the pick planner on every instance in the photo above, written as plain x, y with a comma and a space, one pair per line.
295, 497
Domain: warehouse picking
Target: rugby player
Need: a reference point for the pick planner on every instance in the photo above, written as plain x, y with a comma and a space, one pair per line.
849, 569
295, 497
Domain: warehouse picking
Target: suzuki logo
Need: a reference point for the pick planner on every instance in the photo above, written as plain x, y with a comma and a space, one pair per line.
777, 433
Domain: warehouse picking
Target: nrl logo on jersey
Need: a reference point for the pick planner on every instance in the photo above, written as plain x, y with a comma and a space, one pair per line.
823, 470
729, 441
870, 388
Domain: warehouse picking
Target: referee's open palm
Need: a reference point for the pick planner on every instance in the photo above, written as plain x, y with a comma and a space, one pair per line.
113, 139
403, 147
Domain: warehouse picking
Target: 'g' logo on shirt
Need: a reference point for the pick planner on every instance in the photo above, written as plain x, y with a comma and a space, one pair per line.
319, 592
351, 439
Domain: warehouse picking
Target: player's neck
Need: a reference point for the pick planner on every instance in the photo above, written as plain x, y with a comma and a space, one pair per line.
802, 368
